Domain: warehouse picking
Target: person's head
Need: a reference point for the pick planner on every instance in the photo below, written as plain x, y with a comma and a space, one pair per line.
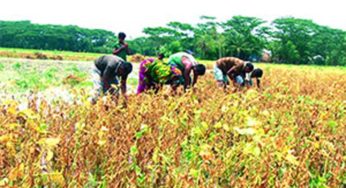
199, 69
125, 69
161, 56
121, 36
248, 67
257, 73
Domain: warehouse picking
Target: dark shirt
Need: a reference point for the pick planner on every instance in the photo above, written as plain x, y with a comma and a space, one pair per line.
122, 53
108, 65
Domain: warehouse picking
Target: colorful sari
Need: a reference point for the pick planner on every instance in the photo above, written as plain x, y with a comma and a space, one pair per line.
155, 72
142, 70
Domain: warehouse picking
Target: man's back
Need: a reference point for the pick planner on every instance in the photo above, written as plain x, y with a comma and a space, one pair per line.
226, 63
177, 59
108, 64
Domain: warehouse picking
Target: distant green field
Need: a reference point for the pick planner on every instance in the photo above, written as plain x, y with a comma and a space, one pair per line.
55, 52
47, 54
20, 76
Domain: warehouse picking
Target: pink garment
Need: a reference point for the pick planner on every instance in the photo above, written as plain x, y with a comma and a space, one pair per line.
142, 70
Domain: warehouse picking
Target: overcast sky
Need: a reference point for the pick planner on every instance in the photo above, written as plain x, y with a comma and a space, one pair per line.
131, 16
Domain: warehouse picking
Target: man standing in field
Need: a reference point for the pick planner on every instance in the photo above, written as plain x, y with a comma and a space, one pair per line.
106, 71
122, 48
186, 63
232, 67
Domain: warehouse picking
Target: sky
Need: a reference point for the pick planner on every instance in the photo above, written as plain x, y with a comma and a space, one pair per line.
131, 16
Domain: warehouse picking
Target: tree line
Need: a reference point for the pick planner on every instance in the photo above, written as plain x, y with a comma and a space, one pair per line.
289, 40
24, 34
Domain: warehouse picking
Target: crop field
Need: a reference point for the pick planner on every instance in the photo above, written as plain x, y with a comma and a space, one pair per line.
289, 133
46, 54
49, 78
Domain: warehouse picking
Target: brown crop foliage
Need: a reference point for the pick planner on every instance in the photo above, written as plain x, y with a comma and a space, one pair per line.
291, 133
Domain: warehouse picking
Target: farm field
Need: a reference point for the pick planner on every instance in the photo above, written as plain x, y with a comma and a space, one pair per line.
48, 78
290, 133
46, 54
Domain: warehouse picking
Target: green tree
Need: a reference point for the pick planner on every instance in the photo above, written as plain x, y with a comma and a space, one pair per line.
300, 41
24, 34
209, 42
244, 36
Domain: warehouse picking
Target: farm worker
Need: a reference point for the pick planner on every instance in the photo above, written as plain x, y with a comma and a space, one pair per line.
106, 73
186, 63
122, 48
142, 70
155, 73
256, 74
232, 67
